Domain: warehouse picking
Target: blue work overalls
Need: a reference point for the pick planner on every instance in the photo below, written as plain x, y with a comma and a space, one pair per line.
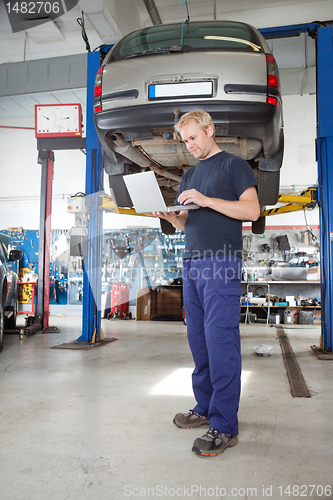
211, 288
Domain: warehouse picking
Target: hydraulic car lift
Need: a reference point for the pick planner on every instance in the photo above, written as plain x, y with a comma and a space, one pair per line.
91, 331
325, 177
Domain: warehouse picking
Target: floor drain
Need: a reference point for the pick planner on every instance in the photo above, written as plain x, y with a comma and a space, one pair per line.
297, 383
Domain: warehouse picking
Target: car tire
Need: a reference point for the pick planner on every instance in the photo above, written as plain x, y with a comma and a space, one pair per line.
258, 226
2, 324
119, 192
10, 323
268, 187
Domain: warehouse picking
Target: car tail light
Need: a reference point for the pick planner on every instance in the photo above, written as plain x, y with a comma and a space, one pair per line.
98, 90
272, 79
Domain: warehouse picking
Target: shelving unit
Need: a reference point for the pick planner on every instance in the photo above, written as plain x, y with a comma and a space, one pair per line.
276, 287
248, 289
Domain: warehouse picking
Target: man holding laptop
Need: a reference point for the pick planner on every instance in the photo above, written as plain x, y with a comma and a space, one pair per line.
224, 188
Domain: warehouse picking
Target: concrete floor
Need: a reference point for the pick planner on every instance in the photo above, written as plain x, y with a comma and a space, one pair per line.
97, 424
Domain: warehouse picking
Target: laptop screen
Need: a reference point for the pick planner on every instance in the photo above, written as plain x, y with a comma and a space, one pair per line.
145, 192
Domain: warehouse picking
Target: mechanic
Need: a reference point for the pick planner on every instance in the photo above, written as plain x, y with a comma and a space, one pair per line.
224, 187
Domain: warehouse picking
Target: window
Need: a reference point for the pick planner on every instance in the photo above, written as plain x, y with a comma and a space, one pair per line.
197, 36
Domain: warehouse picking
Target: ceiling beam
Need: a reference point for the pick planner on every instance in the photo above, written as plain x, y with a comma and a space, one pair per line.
153, 12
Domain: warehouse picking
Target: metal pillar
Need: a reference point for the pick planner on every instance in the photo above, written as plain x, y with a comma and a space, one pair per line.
46, 158
325, 177
325, 162
92, 271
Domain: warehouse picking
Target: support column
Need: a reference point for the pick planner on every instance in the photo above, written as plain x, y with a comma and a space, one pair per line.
46, 159
92, 270
325, 177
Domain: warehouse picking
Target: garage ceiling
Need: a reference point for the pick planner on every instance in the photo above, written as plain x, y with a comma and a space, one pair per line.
108, 20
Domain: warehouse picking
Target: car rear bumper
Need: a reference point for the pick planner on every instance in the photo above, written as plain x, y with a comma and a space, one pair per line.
257, 120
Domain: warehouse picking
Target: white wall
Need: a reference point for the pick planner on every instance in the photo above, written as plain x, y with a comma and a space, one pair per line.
21, 179
299, 163
299, 169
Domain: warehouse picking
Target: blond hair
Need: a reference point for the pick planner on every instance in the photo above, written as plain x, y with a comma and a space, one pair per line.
202, 118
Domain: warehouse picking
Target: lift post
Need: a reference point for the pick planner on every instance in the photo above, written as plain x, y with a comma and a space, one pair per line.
46, 159
91, 315
325, 177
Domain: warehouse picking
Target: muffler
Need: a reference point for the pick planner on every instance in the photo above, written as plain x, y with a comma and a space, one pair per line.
126, 148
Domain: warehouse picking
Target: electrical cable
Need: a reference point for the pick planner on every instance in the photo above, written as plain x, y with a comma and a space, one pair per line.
188, 15
314, 237
80, 22
183, 21
99, 46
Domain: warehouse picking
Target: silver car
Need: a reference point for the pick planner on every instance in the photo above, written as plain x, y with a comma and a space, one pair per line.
156, 74
8, 286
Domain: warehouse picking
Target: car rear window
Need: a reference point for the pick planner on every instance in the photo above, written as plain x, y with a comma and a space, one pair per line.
197, 36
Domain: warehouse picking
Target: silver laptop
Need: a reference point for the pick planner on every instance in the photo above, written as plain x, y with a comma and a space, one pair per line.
146, 194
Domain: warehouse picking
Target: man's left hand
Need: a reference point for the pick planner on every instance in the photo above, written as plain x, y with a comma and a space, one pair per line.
193, 196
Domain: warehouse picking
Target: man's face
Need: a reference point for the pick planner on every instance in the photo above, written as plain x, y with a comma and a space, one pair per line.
199, 142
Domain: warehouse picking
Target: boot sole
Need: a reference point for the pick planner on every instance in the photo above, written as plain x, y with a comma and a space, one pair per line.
229, 444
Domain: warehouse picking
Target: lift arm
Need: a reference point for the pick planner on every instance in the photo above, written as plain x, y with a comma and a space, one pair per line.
305, 200
108, 205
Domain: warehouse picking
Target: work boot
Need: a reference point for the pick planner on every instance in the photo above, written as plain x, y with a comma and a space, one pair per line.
190, 420
213, 443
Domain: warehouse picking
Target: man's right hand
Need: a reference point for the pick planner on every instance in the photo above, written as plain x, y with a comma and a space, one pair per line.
178, 221
170, 216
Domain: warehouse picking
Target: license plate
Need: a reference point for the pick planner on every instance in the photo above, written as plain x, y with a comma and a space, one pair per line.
180, 90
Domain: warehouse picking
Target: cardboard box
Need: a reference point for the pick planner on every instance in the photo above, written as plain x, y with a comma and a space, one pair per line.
159, 302
291, 300
169, 301
317, 316
145, 304
313, 273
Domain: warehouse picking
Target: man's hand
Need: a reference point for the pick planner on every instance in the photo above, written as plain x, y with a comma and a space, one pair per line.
193, 196
246, 208
169, 216
178, 221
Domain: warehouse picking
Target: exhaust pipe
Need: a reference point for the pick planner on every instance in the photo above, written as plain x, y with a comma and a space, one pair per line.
127, 149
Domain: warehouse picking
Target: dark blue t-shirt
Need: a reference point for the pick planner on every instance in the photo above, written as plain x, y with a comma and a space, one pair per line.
207, 232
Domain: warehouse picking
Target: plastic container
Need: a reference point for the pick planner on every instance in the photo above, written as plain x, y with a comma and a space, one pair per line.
275, 319
288, 317
305, 318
